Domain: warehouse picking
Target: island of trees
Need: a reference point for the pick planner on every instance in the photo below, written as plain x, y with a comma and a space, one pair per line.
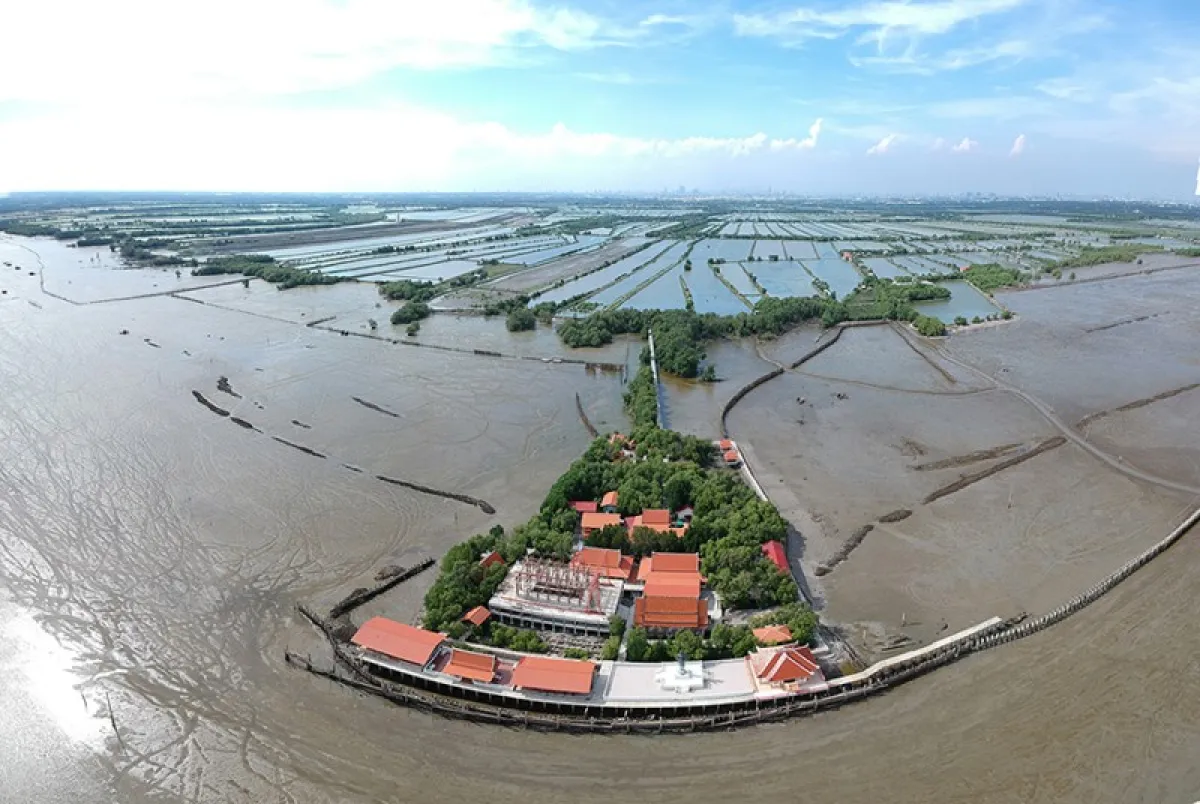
667, 469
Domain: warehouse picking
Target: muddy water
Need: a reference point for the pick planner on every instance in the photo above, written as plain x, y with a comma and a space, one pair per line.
151, 554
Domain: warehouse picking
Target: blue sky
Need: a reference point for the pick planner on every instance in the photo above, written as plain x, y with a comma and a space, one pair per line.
822, 96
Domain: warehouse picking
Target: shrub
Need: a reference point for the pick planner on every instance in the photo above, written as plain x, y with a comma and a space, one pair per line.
521, 320
929, 326
411, 311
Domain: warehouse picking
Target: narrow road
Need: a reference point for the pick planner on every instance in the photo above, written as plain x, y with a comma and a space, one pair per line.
1048, 413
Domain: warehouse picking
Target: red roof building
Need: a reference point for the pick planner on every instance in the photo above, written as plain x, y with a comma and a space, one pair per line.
773, 634
725, 444
774, 552
609, 502
398, 641
489, 558
477, 616
544, 674
586, 506
656, 519
604, 562
590, 523
669, 612
471, 666
675, 562
732, 458
782, 666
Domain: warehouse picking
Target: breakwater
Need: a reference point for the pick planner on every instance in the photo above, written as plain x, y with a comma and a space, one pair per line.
360, 596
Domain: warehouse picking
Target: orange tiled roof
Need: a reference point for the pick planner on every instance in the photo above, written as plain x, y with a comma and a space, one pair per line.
397, 640
470, 665
607, 563
585, 506
773, 634
676, 562
672, 584
669, 612
774, 552
610, 498
784, 665
544, 674
489, 558
656, 516
732, 456
725, 445
597, 521
477, 616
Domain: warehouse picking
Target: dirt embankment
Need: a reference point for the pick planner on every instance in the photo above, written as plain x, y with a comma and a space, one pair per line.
482, 505
968, 459
375, 407
1139, 403
1125, 321
968, 480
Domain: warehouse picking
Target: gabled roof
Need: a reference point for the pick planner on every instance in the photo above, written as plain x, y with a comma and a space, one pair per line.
545, 674
651, 611
489, 558
669, 584
397, 640
585, 506
598, 521
477, 616
470, 665
774, 552
784, 665
731, 456
605, 562
656, 516
725, 444
773, 634
610, 498
676, 562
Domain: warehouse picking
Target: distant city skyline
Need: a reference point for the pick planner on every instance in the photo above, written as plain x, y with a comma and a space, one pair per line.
822, 98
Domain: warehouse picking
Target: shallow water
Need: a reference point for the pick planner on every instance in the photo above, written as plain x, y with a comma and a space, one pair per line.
153, 553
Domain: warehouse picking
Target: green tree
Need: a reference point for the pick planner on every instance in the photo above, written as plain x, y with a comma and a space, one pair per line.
929, 326
411, 312
521, 319
611, 649
637, 646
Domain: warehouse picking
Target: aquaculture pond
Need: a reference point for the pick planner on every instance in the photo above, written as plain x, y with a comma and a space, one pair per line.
884, 268
766, 249
597, 280
965, 300
735, 275
709, 293
783, 278
665, 293
840, 275
545, 255
800, 250
612, 294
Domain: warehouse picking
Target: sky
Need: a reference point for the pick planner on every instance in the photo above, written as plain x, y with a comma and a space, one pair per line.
815, 97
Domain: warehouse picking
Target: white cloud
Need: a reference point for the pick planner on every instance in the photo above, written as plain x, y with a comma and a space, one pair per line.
966, 146
1018, 146
880, 18
230, 47
938, 144
883, 145
394, 149
814, 133
620, 78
